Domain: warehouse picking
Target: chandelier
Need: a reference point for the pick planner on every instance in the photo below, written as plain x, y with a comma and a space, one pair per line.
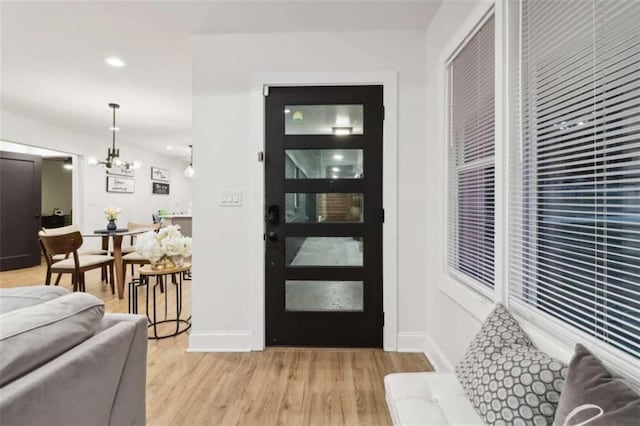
113, 153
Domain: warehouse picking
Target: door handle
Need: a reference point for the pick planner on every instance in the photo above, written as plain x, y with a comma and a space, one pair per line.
272, 236
273, 214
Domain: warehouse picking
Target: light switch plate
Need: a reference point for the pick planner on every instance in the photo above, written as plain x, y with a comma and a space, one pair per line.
230, 197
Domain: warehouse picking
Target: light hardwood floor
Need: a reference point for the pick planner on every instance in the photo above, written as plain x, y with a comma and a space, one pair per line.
274, 387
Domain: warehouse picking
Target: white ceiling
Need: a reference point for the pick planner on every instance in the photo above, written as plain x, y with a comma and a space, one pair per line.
53, 54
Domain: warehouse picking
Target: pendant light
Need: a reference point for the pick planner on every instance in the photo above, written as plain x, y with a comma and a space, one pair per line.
113, 153
189, 171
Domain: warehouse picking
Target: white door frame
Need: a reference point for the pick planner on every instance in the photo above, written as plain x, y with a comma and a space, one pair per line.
389, 185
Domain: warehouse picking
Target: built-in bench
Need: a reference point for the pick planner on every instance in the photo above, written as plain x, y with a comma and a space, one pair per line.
428, 398
438, 398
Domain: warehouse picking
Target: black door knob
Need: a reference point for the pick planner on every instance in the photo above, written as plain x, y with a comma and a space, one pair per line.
272, 236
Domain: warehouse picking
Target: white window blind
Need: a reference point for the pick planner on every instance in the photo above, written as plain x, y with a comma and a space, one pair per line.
574, 220
471, 158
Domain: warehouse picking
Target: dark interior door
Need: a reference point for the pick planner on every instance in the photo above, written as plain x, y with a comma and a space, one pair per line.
324, 216
20, 198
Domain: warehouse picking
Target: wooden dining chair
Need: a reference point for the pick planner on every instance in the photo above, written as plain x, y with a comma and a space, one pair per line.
58, 257
74, 263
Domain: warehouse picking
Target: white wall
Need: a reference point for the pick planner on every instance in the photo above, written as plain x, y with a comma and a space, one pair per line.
223, 66
56, 187
93, 198
449, 326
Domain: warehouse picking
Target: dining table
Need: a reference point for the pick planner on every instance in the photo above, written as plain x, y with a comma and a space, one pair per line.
116, 238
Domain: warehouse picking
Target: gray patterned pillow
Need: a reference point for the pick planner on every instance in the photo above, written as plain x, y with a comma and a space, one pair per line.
522, 387
506, 378
499, 334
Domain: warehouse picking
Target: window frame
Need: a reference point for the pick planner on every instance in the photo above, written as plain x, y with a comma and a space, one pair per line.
475, 295
557, 337
564, 334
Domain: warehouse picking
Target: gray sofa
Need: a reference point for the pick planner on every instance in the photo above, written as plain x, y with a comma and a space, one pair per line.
65, 362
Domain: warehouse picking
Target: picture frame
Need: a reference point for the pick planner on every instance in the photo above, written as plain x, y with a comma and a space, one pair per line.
121, 184
121, 171
160, 188
160, 174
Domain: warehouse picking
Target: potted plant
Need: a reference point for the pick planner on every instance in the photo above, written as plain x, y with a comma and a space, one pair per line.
112, 213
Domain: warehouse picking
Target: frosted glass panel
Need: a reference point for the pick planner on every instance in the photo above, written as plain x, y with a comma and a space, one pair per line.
323, 251
336, 120
324, 296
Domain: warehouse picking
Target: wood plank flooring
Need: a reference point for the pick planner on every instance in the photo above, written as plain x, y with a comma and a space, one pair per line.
287, 386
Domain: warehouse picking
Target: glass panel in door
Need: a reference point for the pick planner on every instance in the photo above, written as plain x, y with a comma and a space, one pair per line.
324, 164
338, 120
323, 296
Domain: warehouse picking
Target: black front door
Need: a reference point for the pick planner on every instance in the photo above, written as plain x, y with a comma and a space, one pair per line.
323, 213
20, 191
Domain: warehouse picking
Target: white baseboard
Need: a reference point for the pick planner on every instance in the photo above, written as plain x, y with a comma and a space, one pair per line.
435, 355
220, 341
410, 342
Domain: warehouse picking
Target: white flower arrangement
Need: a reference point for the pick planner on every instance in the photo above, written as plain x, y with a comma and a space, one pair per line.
167, 241
112, 213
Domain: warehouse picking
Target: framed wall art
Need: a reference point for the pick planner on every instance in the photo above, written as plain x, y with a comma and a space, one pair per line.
160, 188
121, 171
163, 175
120, 184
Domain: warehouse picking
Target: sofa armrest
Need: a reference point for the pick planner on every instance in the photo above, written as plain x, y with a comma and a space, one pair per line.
129, 404
82, 385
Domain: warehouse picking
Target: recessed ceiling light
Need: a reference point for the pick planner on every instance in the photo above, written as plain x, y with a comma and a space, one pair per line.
287, 111
337, 157
334, 176
169, 147
115, 62
336, 169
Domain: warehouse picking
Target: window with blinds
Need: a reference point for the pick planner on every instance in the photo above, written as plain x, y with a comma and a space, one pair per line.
471, 158
574, 220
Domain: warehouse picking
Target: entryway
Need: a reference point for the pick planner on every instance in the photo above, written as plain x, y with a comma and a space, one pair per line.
36, 188
20, 191
323, 213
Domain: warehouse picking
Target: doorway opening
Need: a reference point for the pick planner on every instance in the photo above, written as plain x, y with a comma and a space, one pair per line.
37, 192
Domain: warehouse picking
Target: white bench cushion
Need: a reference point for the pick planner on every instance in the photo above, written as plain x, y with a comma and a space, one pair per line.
428, 399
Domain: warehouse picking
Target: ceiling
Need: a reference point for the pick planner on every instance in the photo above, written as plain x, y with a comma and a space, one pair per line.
53, 55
